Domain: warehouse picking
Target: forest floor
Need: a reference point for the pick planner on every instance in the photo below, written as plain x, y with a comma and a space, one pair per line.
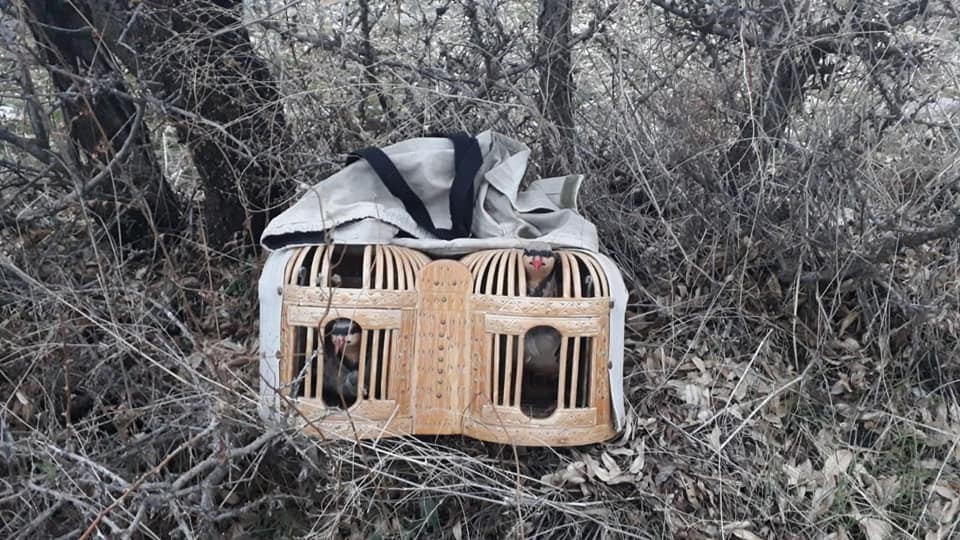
742, 422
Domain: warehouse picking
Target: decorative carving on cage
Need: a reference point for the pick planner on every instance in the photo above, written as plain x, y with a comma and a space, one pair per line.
379, 340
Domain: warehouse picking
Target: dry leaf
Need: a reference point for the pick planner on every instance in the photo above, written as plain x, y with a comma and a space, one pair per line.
847, 321
822, 501
610, 473
714, 439
594, 469
773, 285
944, 511
610, 464
799, 474
573, 474
841, 386
745, 534
195, 359
23, 408
692, 394
886, 489
697, 361
945, 491
875, 529
664, 474
837, 463
849, 345
841, 534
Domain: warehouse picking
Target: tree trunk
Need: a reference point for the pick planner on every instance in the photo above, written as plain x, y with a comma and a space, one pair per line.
200, 55
101, 122
556, 84
783, 79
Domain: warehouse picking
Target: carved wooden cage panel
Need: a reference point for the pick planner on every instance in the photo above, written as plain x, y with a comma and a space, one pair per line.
380, 340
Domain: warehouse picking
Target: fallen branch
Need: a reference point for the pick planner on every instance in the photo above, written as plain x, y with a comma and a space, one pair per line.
883, 252
102, 516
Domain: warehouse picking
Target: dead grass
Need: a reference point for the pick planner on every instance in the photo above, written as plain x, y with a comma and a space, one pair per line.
757, 406
793, 349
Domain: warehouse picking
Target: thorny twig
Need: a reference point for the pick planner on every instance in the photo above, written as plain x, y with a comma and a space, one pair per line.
101, 516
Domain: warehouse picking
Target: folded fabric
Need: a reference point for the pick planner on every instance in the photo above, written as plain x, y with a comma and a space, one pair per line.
354, 206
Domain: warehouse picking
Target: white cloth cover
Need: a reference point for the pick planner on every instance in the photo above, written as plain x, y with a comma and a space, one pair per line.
354, 207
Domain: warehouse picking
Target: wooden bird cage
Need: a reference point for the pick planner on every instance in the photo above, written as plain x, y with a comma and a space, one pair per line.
572, 408
442, 345
373, 286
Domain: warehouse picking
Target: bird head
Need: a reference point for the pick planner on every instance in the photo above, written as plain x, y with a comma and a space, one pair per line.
538, 261
344, 333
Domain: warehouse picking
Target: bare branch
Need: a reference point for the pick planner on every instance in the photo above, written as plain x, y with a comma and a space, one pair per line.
35, 112
34, 147
593, 27
106, 172
882, 253
102, 515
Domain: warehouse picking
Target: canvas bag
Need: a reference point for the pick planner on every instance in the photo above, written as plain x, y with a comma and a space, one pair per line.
365, 203
354, 204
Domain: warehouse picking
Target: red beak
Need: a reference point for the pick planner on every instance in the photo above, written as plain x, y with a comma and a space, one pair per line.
537, 262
